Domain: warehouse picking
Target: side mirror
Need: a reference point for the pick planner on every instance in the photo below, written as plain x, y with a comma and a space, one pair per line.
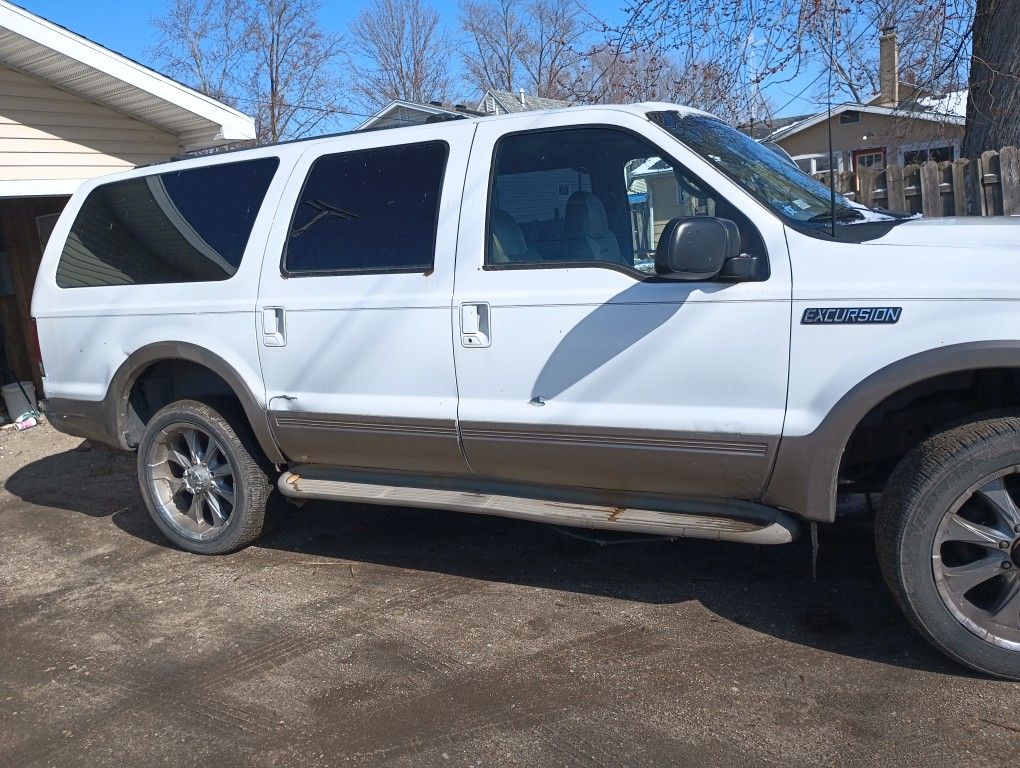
696, 247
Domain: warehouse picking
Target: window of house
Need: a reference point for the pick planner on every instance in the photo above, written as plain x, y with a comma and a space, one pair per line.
938, 154
587, 196
819, 163
869, 158
374, 210
822, 163
176, 227
849, 117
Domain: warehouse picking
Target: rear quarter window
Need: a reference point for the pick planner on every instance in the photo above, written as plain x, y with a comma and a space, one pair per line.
177, 227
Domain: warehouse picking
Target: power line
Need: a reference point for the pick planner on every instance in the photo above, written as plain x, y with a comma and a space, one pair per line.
801, 91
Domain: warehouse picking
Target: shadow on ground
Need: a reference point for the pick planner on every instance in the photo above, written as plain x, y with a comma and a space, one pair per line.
845, 610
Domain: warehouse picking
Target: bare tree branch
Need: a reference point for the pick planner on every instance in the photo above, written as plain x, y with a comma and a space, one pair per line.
205, 43
268, 57
495, 38
552, 48
404, 53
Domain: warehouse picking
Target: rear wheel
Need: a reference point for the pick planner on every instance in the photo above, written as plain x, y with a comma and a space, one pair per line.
201, 479
948, 540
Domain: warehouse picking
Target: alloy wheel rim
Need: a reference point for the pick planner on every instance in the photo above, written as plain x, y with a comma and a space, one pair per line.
191, 481
976, 558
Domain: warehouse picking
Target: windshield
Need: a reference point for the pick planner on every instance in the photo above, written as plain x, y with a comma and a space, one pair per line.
760, 170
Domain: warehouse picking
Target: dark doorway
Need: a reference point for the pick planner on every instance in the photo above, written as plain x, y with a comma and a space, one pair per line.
24, 225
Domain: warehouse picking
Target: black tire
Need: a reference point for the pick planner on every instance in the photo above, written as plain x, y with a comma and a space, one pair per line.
922, 490
250, 484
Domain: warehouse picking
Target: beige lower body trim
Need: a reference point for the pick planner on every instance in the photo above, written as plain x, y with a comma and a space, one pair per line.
405, 445
622, 460
641, 461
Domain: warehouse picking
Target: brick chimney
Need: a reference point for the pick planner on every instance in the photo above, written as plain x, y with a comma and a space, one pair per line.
889, 68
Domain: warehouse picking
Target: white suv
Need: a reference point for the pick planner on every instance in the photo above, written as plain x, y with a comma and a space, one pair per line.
630, 317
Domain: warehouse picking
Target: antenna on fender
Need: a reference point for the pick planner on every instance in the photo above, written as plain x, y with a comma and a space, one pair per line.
828, 123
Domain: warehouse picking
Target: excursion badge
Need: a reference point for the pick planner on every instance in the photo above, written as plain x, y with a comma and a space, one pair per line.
851, 315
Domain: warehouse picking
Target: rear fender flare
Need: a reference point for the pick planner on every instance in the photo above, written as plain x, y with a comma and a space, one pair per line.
115, 404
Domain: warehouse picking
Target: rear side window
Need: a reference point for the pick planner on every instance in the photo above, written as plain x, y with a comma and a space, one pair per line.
369, 211
179, 227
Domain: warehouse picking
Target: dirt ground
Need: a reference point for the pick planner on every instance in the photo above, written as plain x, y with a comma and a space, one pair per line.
382, 637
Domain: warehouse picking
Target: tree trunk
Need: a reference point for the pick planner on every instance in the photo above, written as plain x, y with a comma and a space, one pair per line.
993, 105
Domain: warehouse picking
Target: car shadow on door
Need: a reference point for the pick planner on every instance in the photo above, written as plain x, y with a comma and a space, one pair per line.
610, 329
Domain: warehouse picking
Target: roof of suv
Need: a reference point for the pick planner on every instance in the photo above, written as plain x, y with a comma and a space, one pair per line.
639, 108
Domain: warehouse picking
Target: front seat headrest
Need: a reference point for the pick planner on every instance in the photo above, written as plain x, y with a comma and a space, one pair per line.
507, 243
586, 216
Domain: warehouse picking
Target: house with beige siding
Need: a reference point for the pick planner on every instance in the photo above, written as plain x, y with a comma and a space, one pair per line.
871, 136
71, 110
904, 123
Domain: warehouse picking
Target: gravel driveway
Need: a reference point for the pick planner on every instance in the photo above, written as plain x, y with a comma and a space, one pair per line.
383, 637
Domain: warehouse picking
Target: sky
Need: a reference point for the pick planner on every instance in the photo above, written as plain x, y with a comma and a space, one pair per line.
124, 26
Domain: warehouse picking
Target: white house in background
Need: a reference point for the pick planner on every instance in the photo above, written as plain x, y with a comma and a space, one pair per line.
71, 110
400, 112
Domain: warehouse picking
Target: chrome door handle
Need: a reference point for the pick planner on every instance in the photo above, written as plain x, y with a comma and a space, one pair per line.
475, 330
274, 326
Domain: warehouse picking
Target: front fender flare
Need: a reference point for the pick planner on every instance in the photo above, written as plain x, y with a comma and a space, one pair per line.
807, 467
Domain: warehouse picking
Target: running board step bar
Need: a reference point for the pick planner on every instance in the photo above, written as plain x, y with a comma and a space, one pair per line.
749, 523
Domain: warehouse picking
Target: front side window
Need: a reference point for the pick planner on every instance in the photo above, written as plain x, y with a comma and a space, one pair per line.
176, 227
368, 211
591, 196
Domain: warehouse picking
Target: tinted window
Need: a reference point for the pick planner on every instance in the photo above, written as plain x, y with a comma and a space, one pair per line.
370, 211
586, 195
178, 227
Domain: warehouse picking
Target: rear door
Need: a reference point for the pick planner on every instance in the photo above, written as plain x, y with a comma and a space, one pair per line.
576, 365
354, 303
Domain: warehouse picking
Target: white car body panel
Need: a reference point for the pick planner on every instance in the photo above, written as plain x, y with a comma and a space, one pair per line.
955, 283
623, 367
88, 333
365, 345
606, 351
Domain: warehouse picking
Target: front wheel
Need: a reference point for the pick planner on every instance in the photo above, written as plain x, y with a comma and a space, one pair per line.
200, 478
948, 541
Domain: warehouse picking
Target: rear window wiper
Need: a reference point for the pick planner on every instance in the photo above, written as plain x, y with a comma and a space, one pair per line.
324, 210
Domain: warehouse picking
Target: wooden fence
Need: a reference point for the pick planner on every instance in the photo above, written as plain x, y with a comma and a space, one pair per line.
989, 186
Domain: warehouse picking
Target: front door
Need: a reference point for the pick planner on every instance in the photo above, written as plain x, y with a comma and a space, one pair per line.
354, 303
576, 365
